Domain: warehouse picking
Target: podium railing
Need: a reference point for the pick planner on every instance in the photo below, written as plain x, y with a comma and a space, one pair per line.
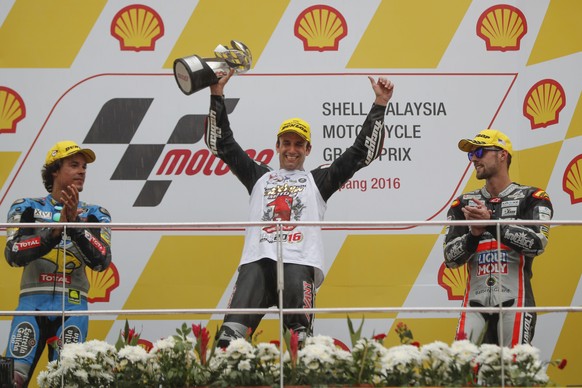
280, 225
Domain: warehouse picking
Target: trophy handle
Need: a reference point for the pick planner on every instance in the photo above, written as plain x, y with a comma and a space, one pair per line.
238, 57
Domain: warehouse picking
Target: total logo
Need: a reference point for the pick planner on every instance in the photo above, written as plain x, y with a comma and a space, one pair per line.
119, 120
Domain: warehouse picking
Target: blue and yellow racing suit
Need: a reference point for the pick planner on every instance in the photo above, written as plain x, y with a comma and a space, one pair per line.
53, 276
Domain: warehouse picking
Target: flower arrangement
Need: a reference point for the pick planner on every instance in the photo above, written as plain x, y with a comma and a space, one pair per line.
187, 359
521, 366
88, 364
318, 362
245, 364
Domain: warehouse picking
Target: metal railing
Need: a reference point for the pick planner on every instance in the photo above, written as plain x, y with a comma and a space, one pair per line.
280, 311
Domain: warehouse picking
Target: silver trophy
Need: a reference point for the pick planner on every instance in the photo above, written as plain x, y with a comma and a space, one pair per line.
194, 73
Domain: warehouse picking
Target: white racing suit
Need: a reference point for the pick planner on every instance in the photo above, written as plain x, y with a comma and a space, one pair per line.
281, 195
504, 280
41, 286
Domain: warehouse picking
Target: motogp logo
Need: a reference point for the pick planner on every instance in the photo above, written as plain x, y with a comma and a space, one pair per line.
119, 120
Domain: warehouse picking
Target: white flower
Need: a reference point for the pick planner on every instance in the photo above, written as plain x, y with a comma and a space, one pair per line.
239, 348
489, 356
322, 340
524, 352
83, 375
97, 346
218, 359
464, 351
342, 355
244, 365
164, 344
267, 352
314, 355
401, 358
436, 353
134, 354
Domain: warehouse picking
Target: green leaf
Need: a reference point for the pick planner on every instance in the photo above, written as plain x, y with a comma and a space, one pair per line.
355, 335
120, 343
126, 328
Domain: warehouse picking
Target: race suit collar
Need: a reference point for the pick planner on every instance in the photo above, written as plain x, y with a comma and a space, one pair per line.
51, 200
505, 192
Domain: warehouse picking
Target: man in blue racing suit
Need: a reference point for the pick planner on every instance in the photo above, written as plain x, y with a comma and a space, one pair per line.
289, 193
54, 259
499, 265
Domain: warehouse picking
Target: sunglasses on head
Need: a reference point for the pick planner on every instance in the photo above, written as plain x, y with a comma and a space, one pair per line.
478, 152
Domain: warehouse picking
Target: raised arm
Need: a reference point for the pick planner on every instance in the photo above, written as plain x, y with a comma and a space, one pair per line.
220, 140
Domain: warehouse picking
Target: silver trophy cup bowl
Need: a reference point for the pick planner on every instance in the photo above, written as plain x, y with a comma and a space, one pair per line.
194, 73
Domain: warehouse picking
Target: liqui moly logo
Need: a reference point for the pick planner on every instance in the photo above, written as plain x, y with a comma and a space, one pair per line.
488, 264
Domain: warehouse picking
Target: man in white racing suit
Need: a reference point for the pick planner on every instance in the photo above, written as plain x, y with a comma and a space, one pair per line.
288, 194
499, 265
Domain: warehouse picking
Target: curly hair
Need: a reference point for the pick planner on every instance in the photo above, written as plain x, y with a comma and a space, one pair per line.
47, 174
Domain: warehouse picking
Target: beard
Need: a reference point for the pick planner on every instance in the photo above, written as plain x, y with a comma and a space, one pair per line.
483, 174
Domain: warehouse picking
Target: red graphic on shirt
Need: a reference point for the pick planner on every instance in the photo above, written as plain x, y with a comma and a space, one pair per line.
281, 212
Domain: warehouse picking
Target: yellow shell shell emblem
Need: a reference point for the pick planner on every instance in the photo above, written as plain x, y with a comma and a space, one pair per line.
543, 103
102, 283
12, 110
572, 182
502, 27
320, 27
137, 27
454, 280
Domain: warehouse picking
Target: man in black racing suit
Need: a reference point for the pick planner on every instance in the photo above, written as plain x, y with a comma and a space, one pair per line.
499, 265
287, 194
50, 260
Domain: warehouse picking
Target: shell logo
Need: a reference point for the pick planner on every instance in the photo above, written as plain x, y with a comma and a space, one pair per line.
572, 182
137, 27
502, 27
543, 103
320, 28
102, 283
453, 280
12, 110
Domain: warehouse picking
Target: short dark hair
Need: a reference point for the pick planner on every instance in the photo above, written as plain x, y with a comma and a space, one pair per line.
47, 174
